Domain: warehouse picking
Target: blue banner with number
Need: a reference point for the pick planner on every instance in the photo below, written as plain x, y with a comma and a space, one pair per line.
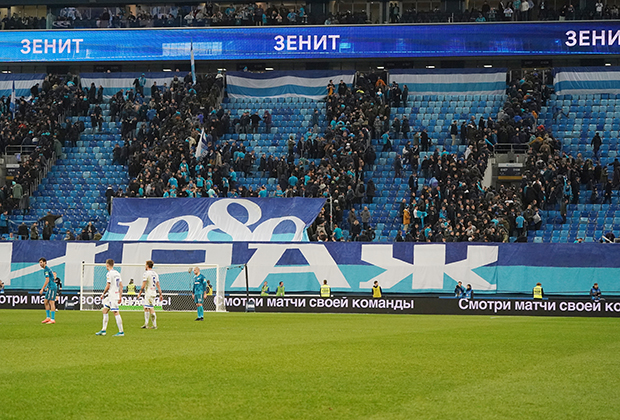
309, 42
212, 219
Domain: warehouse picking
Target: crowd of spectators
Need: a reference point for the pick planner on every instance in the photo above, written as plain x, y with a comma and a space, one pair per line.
553, 178
495, 215
171, 123
161, 135
36, 124
331, 163
18, 21
252, 14
506, 11
210, 14
162, 160
453, 206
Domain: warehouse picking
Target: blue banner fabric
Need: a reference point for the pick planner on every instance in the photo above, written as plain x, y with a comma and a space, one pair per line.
452, 82
212, 219
403, 268
19, 84
586, 80
284, 84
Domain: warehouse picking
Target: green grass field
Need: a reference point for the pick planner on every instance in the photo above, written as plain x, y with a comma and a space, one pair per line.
309, 366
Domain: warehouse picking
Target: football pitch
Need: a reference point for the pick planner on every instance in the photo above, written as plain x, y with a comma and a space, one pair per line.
309, 366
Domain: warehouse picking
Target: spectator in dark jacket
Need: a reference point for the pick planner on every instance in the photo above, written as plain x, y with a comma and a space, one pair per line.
47, 231
370, 191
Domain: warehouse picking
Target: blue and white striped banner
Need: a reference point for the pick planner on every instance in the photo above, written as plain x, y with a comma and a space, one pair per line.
586, 80
451, 81
284, 84
113, 82
21, 82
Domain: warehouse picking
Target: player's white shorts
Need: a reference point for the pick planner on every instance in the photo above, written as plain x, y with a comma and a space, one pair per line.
111, 302
149, 301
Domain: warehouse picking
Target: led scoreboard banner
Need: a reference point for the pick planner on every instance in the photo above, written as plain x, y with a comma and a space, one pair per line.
312, 42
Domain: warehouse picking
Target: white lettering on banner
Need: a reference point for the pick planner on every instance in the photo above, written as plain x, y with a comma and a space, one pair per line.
14, 300
136, 229
394, 304
51, 45
306, 43
429, 266
283, 302
264, 261
233, 302
582, 306
41, 46
587, 38
91, 300
222, 220
238, 302
612, 307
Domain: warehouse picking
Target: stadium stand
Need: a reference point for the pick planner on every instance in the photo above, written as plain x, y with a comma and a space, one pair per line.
329, 165
335, 148
350, 112
34, 131
76, 186
222, 14
93, 168
592, 208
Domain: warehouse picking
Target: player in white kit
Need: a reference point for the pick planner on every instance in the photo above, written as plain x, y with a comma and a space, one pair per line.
150, 287
114, 288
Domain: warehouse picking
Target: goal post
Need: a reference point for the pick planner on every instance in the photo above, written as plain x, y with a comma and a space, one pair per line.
176, 281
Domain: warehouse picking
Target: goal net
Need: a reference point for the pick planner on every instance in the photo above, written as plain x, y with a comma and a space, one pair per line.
176, 282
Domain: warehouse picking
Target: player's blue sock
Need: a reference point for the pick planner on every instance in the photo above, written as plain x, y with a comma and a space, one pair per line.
198, 308
202, 312
53, 314
47, 313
